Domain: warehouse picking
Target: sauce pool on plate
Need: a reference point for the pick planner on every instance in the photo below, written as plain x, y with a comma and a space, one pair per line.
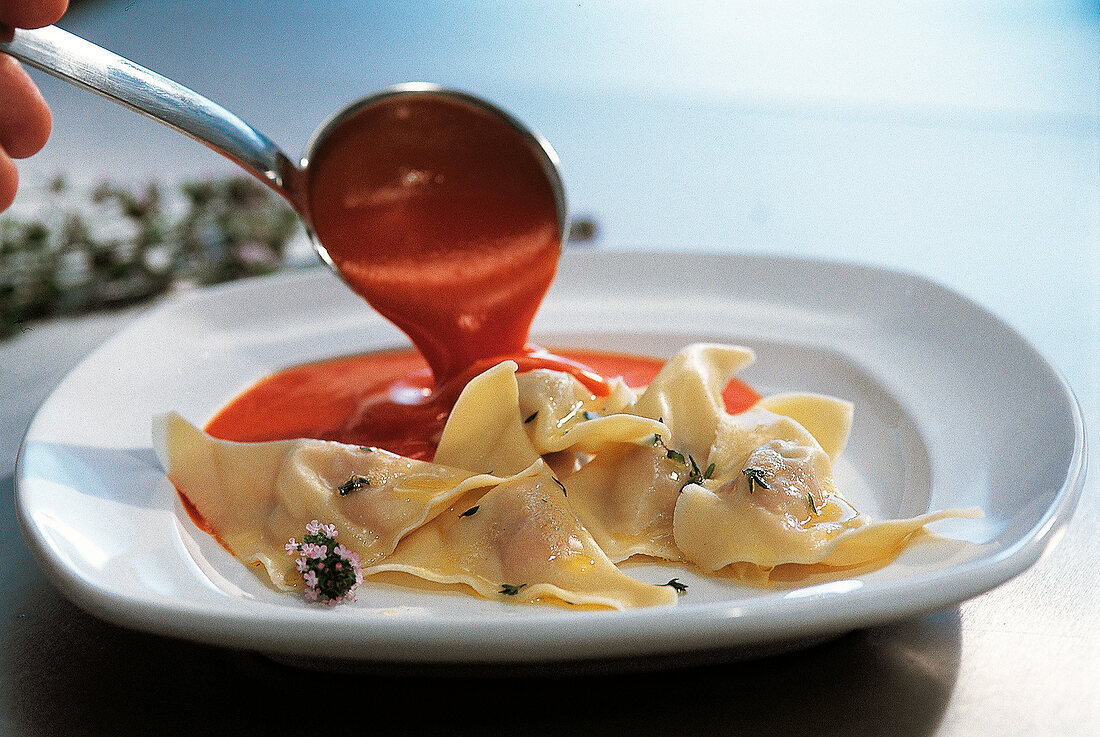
326, 400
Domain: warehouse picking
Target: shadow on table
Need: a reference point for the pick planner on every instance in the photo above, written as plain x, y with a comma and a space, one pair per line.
67, 673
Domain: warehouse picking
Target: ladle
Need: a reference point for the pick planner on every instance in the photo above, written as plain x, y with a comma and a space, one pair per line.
445, 212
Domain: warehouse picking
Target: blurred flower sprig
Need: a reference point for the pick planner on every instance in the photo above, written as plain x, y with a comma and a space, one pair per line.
116, 246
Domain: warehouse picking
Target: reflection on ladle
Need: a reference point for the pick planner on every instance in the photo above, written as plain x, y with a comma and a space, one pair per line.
442, 210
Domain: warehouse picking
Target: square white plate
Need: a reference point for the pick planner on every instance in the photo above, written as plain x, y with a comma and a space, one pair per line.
953, 409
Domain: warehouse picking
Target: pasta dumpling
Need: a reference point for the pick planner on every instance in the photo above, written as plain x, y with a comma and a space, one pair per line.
496, 426
253, 497
519, 541
626, 497
773, 502
687, 393
539, 488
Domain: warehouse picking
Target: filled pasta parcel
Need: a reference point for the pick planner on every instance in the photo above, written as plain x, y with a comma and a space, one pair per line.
539, 490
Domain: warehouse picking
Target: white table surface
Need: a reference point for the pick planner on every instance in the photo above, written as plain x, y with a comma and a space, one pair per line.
960, 141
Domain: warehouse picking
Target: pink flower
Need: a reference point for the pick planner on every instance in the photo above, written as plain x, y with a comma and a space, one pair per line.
316, 528
312, 550
326, 575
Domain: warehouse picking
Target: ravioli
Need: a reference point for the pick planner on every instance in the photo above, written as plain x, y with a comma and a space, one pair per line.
539, 488
686, 395
561, 414
496, 427
519, 541
626, 497
773, 501
255, 496
827, 419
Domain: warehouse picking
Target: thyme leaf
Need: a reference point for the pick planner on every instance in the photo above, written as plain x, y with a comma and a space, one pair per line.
696, 475
471, 511
813, 506
354, 483
679, 588
531, 417
757, 476
510, 589
560, 484
677, 456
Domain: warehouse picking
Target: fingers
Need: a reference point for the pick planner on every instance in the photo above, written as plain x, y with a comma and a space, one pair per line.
31, 13
24, 124
25, 121
9, 181
24, 117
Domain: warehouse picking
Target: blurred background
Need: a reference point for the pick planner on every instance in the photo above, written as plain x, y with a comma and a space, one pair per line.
957, 139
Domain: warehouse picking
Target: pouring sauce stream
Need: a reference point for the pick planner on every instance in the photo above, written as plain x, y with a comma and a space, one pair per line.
441, 215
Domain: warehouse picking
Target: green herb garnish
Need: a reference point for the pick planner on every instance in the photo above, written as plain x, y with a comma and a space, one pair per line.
560, 484
590, 415
679, 588
471, 511
813, 506
696, 476
509, 589
531, 417
354, 483
757, 477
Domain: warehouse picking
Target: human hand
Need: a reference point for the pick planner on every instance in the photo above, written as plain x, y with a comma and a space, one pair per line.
24, 117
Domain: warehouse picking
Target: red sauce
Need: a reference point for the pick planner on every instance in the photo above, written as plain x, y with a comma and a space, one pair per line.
328, 399
440, 214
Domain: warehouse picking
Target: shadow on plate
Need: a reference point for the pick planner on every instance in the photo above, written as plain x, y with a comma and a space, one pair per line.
119, 475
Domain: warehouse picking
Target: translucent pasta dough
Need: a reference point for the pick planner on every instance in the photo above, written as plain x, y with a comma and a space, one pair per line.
539, 488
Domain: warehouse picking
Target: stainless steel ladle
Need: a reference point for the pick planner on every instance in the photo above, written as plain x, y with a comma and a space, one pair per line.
82, 63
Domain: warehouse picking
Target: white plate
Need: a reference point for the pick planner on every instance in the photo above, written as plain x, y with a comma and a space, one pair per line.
953, 408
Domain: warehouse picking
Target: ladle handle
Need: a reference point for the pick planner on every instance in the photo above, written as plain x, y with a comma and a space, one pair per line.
86, 65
